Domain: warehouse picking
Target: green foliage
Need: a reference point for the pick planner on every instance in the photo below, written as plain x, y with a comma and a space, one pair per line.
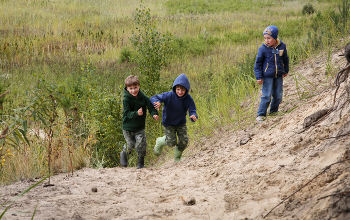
195, 46
211, 6
243, 38
152, 49
308, 9
108, 113
344, 15
125, 55
104, 113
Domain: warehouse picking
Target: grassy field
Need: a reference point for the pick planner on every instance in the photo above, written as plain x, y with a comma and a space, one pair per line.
73, 50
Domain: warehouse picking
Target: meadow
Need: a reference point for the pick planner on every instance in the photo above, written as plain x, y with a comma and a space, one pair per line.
64, 64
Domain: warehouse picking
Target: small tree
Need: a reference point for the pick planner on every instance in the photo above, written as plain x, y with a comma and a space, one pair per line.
308, 9
152, 49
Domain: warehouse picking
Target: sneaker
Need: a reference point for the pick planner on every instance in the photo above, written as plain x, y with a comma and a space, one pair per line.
260, 118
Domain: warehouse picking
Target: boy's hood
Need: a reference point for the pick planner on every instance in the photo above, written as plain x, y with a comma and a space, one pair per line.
183, 81
126, 93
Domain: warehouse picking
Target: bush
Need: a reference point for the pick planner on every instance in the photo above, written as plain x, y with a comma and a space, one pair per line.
107, 111
308, 9
125, 54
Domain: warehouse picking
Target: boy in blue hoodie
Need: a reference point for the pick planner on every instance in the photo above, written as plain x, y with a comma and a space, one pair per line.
271, 66
176, 104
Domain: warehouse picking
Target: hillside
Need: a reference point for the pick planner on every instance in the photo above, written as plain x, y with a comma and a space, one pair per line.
236, 175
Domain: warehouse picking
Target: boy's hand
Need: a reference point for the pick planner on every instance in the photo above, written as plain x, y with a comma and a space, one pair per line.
193, 117
157, 105
140, 112
156, 117
284, 75
260, 81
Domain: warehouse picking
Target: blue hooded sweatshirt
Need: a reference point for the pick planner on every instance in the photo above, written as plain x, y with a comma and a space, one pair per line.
175, 107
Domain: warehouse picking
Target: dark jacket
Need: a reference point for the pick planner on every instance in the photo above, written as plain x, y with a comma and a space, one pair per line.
175, 107
131, 120
271, 62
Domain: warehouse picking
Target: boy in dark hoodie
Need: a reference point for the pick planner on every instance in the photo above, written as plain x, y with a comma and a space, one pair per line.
176, 104
271, 66
134, 117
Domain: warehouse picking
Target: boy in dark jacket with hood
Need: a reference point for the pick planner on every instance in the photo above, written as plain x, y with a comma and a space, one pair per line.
134, 117
176, 104
271, 66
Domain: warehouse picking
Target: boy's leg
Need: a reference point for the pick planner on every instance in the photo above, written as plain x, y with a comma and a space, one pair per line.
183, 137
178, 154
141, 146
266, 97
183, 141
123, 158
141, 143
170, 136
130, 141
160, 143
277, 94
130, 144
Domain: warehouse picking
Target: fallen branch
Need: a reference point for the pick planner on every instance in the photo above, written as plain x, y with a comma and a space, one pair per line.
317, 121
335, 194
324, 170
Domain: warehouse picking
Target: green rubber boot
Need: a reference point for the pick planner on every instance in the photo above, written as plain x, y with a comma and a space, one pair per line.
160, 143
178, 154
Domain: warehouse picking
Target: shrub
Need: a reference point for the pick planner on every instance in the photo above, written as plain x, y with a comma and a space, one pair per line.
152, 50
308, 9
125, 54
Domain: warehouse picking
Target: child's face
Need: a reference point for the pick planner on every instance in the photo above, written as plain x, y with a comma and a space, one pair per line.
270, 41
180, 91
133, 90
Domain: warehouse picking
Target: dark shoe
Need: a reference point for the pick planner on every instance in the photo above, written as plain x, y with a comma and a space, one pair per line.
141, 162
123, 159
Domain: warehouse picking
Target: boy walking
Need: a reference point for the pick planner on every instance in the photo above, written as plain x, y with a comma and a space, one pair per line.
271, 66
134, 117
176, 104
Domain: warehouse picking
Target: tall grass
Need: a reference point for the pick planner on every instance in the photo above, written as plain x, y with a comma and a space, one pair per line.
214, 44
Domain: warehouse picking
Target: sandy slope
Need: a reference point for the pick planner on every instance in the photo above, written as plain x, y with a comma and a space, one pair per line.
225, 179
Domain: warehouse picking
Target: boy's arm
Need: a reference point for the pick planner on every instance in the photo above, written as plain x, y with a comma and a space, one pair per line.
128, 112
158, 98
192, 110
259, 65
151, 108
286, 61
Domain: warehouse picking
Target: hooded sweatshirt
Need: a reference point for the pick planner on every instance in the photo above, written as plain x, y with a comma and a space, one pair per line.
131, 120
175, 107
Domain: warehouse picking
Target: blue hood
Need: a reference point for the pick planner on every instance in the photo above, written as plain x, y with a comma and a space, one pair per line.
183, 81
